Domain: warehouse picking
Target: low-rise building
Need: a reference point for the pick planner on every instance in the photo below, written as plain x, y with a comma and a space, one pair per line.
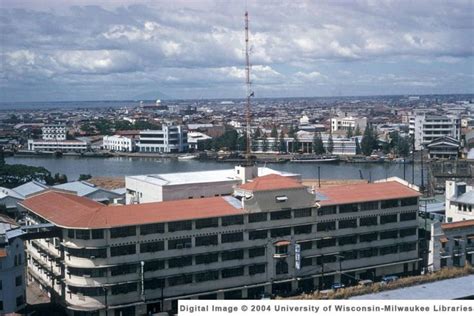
348, 122
91, 191
444, 148
274, 235
118, 143
54, 132
459, 201
196, 140
12, 268
168, 139
57, 145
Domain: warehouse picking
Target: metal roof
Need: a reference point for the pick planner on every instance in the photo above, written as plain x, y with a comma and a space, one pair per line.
30, 188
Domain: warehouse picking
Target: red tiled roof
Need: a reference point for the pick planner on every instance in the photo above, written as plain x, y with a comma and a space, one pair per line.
344, 194
67, 210
460, 224
271, 182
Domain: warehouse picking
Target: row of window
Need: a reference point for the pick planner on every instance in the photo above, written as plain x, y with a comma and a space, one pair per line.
366, 206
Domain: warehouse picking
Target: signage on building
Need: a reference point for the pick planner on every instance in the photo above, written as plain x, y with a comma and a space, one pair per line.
297, 256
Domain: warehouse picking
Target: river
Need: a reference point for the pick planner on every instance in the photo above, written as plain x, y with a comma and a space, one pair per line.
124, 166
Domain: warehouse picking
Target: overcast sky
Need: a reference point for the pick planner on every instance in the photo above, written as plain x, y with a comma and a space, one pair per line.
122, 49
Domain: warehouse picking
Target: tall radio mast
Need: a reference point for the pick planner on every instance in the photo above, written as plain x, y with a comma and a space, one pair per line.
249, 89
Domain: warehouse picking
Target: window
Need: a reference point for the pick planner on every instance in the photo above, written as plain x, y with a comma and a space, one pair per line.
281, 267
154, 265
122, 250
368, 237
348, 223
206, 240
207, 222
368, 221
367, 253
327, 242
207, 276
325, 259
97, 234
408, 216
155, 283
279, 232
388, 234
304, 229
232, 237
152, 246
388, 250
306, 245
70, 233
179, 243
392, 218
87, 253
20, 300
232, 272
304, 212
349, 255
123, 269
232, 220
407, 232
409, 201
280, 215
120, 232
347, 240
258, 234
233, 295
86, 291
256, 252
207, 258
83, 234
180, 226
148, 229
326, 226
19, 280
306, 262
256, 269
88, 272
405, 247
232, 255
348, 208
180, 262
257, 217
368, 206
124, 288
327, 210
389, 203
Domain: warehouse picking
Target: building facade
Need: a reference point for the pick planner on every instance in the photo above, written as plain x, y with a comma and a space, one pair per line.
118, 143
168, 139
428, 127
346, 123
444, 148
272, 236
53, 145
54, 132
459, 201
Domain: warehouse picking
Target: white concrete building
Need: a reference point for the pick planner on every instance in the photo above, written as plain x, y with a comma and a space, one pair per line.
459, 201
118, 143
190, 185
195, 138
53, 145
427, 127
168, 139
273, 236
12, 268
344, 123
54, 132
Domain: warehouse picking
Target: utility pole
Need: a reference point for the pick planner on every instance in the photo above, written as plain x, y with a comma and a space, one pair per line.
249, 90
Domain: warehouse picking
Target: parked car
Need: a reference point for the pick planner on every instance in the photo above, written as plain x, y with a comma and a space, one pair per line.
337, 286
388, 279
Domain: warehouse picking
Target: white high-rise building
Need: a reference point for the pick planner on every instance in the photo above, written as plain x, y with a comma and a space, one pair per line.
168, 139
428, 127
344, 123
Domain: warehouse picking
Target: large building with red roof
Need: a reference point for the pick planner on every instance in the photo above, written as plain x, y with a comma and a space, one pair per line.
272, 235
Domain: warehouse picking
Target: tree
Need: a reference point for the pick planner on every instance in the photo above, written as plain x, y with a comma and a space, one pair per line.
84, 177
349, 133
123, 125
369, 141
14, 175
257, 134
330, 146
318, 146
358, 149
357, 131
274, 132
282, 144
291, 131
264, 142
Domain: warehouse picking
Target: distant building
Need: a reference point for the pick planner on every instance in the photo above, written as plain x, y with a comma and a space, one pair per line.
459, 201
54, 132
168, 139
8, 200
12, 268
196, 140
91, 191
345, 123
428, 127
118, 143
451, 244
444, 147
59, 145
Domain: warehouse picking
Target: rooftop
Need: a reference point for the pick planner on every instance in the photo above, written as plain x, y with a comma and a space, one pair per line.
460, 224
180, 178
70, 211
271, 182
344, 194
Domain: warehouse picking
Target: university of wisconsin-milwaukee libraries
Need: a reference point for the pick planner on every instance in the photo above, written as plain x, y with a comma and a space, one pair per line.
272, 235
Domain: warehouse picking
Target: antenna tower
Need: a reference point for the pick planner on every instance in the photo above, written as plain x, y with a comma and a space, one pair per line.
249, 89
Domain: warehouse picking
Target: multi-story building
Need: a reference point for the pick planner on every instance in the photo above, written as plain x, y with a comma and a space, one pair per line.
349, 122
54, 132
191, 185
451, 244
58, 145
273, 235
427, 127
168, 139
459, 201
12, 268
118, 143
444, 148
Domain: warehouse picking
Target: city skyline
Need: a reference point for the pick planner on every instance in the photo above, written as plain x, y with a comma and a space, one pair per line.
147, 49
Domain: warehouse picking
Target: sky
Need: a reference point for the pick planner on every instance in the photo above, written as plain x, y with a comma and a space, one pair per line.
56, 50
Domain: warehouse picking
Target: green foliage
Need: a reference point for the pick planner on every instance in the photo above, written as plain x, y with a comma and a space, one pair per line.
227, 141
282, 144
14, 175
399, 145
358, 149
357, 131
265, 142
291, 131
330, 146
369, 141
349, 133
318, 146
274, 132
123, 125
257, 134
84, 177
